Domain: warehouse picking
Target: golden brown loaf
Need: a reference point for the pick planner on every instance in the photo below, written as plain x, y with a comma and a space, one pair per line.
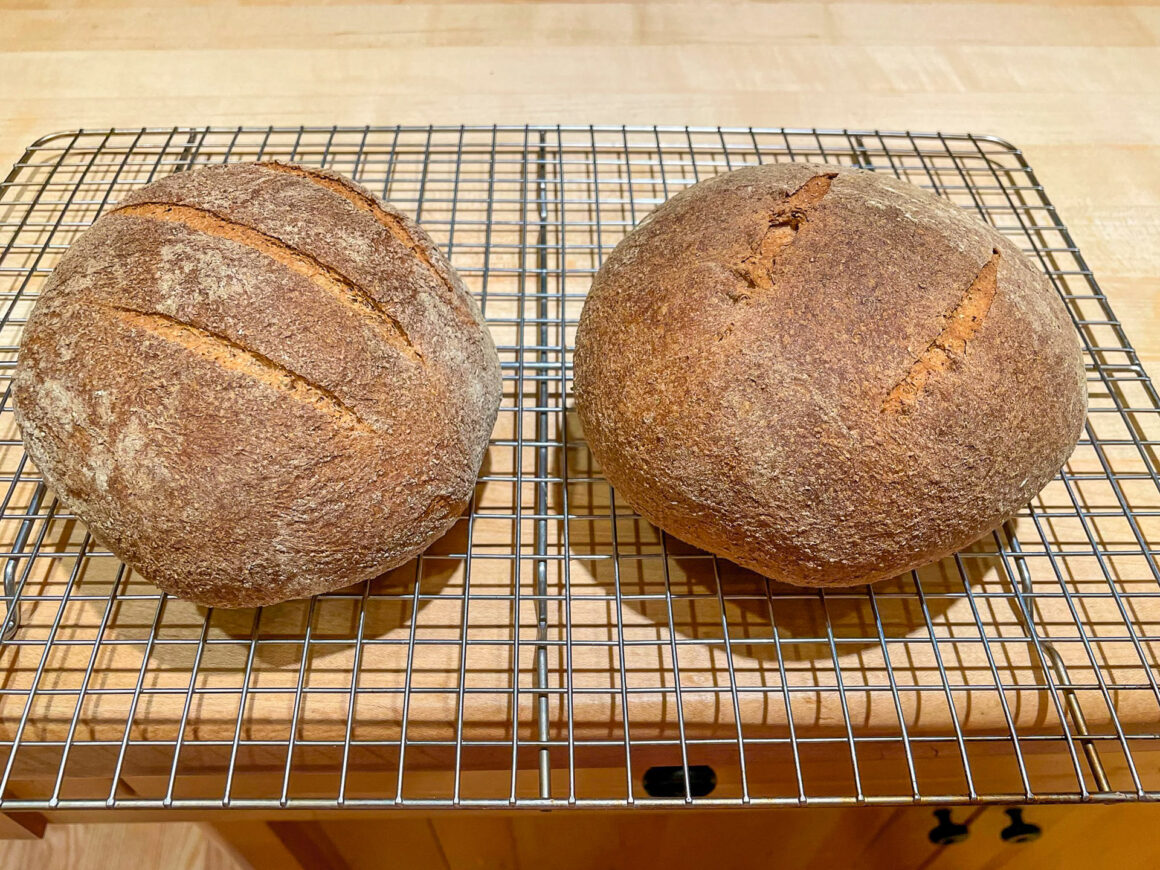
256, 382
826, 375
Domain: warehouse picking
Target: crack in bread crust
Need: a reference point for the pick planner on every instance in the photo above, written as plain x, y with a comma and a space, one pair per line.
785, 221
390, 222
321, 275
961, 325
232, 356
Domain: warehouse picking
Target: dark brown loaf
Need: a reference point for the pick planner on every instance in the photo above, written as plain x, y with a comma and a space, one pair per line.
256, 383
826, 375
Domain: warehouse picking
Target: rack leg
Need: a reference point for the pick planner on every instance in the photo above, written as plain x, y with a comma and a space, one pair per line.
12, 615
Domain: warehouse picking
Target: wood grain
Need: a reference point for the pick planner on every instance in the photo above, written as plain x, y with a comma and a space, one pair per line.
179, 846
1075, 84
818, 839
1073, 837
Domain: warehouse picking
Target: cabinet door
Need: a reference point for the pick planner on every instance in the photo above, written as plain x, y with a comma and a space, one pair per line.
562, 840
874, 838
1121, 836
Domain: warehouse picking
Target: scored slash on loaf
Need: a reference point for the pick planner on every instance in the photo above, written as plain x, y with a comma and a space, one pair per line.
255, 382
826, 375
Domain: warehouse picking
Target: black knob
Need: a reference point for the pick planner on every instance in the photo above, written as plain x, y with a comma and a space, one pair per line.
947, 832
1019, 831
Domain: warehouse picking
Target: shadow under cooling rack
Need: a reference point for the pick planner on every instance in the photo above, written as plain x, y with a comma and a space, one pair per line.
554, 647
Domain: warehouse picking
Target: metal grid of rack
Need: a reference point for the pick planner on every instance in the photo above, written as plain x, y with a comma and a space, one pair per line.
554, 649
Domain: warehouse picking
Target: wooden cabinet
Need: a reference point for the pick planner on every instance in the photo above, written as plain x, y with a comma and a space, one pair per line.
1082, 837
877, 838
1119, 836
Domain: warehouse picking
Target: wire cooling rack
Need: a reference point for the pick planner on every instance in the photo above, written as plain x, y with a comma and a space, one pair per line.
554, 649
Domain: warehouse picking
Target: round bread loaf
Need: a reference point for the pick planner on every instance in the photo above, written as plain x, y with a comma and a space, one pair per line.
256, 383
825, 375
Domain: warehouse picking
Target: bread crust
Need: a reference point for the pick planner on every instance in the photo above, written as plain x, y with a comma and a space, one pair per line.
826, 375
254, 383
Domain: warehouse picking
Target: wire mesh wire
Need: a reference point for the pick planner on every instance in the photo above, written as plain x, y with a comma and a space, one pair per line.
553, 648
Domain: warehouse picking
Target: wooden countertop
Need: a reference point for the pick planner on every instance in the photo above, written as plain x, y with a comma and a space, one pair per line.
1076, 85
